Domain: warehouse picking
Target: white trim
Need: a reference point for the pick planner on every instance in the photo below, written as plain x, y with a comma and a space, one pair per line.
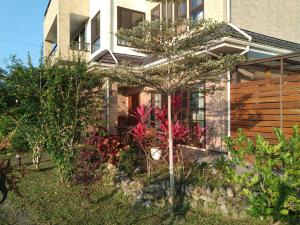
228, 11
241, 31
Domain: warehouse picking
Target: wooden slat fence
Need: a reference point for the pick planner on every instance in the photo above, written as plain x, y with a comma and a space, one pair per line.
259, 106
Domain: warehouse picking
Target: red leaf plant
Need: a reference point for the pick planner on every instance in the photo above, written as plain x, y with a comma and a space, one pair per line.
143, 113
161, 114
110, 148
179, 132
177, 103
199, 131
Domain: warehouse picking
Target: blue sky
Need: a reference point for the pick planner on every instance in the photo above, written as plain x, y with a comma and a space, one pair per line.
21, 29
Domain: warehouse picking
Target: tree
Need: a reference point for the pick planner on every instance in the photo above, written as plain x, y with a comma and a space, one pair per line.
179, 51
69, 104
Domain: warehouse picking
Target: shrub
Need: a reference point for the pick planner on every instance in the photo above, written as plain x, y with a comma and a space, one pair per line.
110, 148
128, 160
87, 163
272, 182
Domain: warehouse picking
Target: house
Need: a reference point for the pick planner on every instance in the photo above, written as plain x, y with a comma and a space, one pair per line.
256, 29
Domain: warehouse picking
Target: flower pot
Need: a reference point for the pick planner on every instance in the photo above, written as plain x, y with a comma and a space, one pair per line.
155, 153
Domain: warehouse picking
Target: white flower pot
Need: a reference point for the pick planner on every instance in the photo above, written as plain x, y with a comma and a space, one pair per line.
155, 153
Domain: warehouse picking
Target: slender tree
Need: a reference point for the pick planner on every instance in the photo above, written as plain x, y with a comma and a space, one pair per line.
179, 52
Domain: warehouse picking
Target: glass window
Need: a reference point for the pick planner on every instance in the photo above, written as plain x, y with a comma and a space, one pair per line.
128, 19
167, 13
181, 10
195, 3
197, 107
155, 13
196, 9
197, 15
96, 32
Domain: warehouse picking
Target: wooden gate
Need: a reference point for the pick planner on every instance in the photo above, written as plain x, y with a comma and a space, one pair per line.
259, 106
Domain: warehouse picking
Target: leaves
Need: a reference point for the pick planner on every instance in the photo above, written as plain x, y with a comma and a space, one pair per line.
272, 184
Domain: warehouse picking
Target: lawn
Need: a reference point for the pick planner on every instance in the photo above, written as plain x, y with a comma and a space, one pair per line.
46, 201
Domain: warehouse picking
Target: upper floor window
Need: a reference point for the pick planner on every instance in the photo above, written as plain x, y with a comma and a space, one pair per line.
128, 19
95, 32
155, 13
180, 10
167, 11
196, 9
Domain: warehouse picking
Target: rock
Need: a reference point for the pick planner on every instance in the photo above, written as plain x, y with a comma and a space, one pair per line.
229, 192
223, 209
136, 185
221, 200
147, 203
137, 170
153, 188
196, 193
216, 191
187, 191
222, 191
237, 188
208, 191
191, 187
207, 199
194, 204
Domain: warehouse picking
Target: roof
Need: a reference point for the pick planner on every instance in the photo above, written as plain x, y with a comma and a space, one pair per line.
227, 31
263, 39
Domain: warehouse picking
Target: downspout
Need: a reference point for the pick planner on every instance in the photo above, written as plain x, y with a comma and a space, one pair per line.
108, 93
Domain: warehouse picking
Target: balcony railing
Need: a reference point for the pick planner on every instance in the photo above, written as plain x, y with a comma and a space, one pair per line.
80, 46
53, 51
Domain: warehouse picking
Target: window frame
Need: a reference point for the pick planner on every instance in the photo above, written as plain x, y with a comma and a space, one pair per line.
177, 9
95, 37
199, 8
119, 9
152, 10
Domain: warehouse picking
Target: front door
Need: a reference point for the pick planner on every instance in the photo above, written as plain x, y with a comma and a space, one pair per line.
133, 103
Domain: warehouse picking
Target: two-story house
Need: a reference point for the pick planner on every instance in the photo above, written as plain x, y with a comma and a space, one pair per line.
256, 29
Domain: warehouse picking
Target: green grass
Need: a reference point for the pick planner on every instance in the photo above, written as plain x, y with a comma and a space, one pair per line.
46, 201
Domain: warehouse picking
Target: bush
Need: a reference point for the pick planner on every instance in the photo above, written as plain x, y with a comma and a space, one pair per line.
272, 182
128, 160
87, 163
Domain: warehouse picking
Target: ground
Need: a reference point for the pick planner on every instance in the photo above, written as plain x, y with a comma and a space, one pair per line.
45, 200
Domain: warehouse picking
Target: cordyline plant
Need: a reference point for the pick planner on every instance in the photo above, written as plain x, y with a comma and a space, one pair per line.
180, 61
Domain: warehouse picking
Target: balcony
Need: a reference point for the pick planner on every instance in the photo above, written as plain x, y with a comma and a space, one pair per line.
80, 46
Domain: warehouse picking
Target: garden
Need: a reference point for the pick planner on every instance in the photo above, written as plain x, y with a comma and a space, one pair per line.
60, 165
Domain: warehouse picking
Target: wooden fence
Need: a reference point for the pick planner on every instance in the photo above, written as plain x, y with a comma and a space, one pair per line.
259, 106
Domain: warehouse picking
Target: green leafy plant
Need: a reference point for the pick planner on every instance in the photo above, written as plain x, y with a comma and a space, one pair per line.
272, 181
128, 160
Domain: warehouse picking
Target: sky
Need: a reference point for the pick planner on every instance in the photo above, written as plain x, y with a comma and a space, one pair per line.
21, 29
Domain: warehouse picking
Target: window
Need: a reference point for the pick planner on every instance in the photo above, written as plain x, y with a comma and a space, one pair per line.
167, 12
193, 106
79, 41
155, 13
128, 19
180, 10
96, 32
196, 9
197, 107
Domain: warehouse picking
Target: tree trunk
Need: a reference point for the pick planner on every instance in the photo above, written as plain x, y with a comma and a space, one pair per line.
171, 161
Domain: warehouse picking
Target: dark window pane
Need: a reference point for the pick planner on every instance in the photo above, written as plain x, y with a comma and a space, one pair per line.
95, 32
195, 3
181, 10
167, 11
198, 15
155, 13
128, 19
